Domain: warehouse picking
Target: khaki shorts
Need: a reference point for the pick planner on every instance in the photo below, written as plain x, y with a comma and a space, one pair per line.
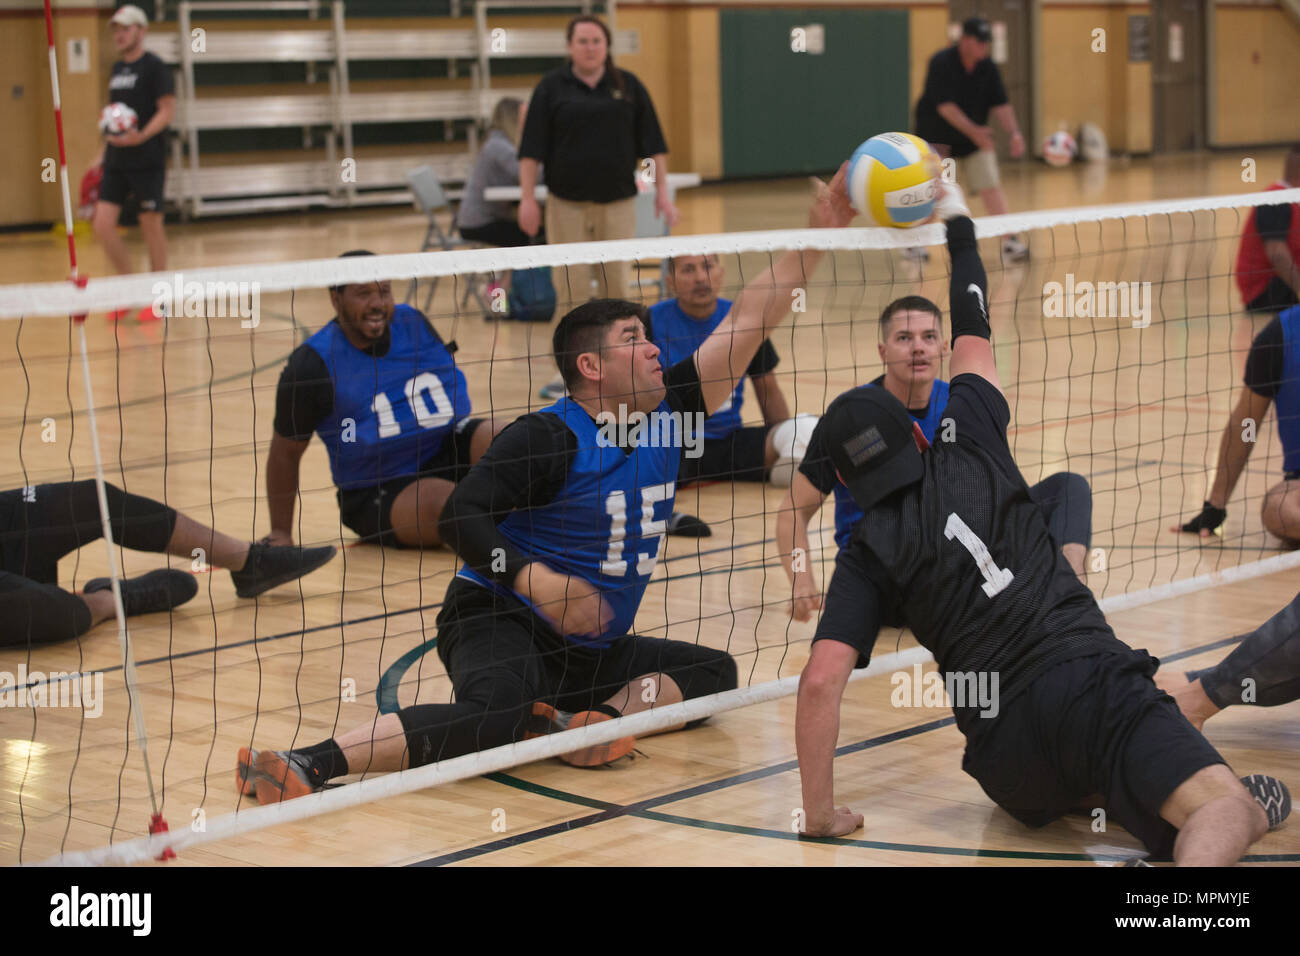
590, 222
978, 171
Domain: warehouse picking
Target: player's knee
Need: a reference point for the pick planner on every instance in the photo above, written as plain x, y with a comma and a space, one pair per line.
789, 442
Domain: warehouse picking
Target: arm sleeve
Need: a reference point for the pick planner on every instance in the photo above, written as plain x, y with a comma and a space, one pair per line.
979, 412
968, 286
1264, 362
1273, 222
997, 92
854, 610
683, 383
765, 360
816, 465
163, 81
649, 137
535, 143
304, 395
524, 467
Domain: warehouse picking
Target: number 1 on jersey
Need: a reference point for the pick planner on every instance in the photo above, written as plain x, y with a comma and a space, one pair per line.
995, 579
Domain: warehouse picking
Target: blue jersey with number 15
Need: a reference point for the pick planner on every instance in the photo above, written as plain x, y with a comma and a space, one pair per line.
606, 524
391, 412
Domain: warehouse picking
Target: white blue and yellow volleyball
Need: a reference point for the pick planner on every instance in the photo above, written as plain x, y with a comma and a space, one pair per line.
891, 179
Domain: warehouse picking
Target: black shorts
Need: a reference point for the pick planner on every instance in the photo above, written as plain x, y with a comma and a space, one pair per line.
145, 183
739, 456
1091, 725
369, 511
488, 640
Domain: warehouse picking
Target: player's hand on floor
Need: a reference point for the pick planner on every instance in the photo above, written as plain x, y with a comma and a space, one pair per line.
1206, 523
806, 598
841, 823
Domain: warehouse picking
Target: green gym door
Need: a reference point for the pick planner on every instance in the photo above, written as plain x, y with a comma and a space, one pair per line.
801, 88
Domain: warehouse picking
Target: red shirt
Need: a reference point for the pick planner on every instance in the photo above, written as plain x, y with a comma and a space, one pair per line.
1254, 271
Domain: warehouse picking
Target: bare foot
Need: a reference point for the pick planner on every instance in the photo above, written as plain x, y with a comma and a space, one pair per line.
1191, 698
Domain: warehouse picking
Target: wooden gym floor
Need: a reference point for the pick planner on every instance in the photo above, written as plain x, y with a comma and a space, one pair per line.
185, 414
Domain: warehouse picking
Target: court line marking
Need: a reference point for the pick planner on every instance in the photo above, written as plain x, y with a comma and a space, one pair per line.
612, 811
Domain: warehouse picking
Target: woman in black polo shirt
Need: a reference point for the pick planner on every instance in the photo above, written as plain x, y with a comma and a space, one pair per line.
589, 123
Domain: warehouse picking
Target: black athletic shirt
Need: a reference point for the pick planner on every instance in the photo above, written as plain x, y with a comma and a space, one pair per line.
589, 139
526, 466
140, 85
946, 81
908, 551
1264, 366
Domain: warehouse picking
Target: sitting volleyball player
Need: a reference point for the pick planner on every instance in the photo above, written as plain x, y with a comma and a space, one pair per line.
559, 530
913, 349
730, 451
1272, 375
381, 389
42, 523
951, 543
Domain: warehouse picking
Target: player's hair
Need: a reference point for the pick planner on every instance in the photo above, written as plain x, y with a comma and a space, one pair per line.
350, 254
908, 303
584, 329
505, 117
615, 75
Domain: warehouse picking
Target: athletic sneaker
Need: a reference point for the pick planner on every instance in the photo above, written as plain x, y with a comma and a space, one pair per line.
275, 775
687, 526
150, 593
1271, 794
271, 565
915, 253
244, 773
546, 719
1013, 250
553, 390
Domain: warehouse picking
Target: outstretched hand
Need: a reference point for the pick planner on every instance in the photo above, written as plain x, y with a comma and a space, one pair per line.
831, 207
1206, 523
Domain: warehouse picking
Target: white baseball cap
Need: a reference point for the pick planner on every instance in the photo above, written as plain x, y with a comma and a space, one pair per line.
130, 16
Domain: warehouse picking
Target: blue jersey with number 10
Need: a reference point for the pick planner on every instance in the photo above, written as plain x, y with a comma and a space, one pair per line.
607, 523
391, 413
847, 512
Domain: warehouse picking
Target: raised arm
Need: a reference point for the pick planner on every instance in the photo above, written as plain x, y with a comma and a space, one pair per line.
765, 301
972, 353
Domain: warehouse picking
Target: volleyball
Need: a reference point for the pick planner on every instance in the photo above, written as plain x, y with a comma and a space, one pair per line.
891, 179
117, 118
1059, 149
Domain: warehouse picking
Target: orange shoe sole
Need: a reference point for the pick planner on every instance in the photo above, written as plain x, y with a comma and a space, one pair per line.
275, 781
599, 754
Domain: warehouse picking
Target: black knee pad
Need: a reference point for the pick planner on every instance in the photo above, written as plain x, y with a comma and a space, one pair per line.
138, 523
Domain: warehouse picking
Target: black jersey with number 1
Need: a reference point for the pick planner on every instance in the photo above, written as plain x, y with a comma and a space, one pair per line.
966, 557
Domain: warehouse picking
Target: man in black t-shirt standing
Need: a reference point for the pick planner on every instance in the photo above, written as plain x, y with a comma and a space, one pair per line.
135, 162
951, 544
962, 87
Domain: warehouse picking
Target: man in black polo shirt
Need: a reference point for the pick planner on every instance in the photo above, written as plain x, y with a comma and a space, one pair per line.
135, 162
962, 86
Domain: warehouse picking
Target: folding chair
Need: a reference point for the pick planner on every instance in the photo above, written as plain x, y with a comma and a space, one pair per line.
432, 201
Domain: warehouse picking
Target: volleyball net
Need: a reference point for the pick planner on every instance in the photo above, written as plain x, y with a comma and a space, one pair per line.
1120, 345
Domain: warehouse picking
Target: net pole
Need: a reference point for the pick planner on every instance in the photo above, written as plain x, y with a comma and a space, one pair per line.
156, 823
